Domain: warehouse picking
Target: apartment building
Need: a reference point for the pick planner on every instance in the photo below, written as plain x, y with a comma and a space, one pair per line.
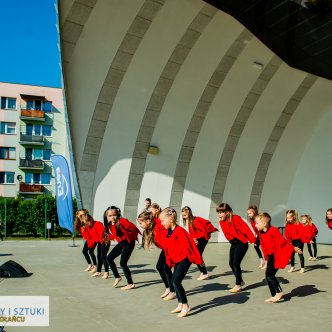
32, 128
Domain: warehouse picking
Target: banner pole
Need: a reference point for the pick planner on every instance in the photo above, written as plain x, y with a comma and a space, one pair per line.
5, 218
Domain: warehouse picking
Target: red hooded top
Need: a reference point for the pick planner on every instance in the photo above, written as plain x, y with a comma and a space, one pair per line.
180, 245
160, 233
88, 234
292, 232
252, 223
128, 229
307, 233
97, 231
329, 224
237, 229
272, 242
201, 228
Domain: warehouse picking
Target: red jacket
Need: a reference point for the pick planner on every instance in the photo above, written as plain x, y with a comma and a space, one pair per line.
329, 224
88, 234
97, 231
307, 232
160, 233
252, 223
201, 228
292, 232
272, 242
237, 229
129, 231
180, 245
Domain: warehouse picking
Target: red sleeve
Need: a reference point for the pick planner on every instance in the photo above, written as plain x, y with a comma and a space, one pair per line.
129, 229
329, 224
89, 237
98, 229
252, 223
314, 229
242, 227
282, 250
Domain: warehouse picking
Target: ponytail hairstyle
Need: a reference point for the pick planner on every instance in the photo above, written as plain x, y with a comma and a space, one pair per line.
157, 208
326, 218
77, 222
148, 233
190, 217
254, 208
294, 214
170, 213
224, 207
309, 220
117, 225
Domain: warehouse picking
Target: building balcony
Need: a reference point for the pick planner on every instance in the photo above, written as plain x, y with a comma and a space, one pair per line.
32, 115
31, 139
31, 164
35, 189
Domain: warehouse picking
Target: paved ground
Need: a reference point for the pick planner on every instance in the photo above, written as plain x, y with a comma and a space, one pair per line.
79, 302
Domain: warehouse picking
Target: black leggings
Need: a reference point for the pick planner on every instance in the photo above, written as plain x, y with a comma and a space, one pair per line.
180, 271
314, 245
270, 275
257, 248
165, 271
297, 243
202, 242
124, 249
102, 250
236, 254
89, 252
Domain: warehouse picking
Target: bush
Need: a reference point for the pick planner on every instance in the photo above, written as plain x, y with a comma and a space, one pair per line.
27, 217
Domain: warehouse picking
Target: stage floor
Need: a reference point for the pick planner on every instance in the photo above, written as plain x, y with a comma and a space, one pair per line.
79, 302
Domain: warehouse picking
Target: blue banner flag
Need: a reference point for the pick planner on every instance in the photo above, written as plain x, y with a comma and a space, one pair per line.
63, 193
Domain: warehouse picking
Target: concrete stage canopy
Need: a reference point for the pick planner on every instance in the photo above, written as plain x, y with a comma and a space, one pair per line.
178, 101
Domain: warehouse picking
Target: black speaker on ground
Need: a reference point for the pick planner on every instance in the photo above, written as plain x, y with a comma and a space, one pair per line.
11, 269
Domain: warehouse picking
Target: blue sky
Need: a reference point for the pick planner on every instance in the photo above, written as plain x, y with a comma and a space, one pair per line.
29, 52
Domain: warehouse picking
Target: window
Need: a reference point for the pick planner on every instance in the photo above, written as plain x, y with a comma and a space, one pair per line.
38, 178
8, 103
7, 177
37, 130
7, 153
37, 104
8, 128
47, 106
38, 154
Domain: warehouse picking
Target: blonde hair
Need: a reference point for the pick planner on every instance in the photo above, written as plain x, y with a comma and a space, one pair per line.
170, 213
294, 214
265, 216
148, 234
157, 208
309, 219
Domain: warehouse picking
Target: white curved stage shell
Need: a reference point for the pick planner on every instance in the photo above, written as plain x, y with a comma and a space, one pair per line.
232, 122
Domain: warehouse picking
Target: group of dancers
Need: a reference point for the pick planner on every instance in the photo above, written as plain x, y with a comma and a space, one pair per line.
182, 246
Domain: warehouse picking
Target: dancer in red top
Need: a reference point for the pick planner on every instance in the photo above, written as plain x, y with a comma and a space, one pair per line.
155, 233
309, 232
180, 252
200, 229
328, 218
238, 233
292, 234
252, 212
80, 226
277, 251
125, 233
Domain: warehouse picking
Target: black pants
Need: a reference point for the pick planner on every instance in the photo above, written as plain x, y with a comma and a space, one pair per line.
236, 254
202, 242
314, 245
257, 248
124, 249
89, 252
180, 271
270, 275
102, 250
297, 243
165, 271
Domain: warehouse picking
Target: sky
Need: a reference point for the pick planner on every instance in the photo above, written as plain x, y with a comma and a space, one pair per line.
29, 51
